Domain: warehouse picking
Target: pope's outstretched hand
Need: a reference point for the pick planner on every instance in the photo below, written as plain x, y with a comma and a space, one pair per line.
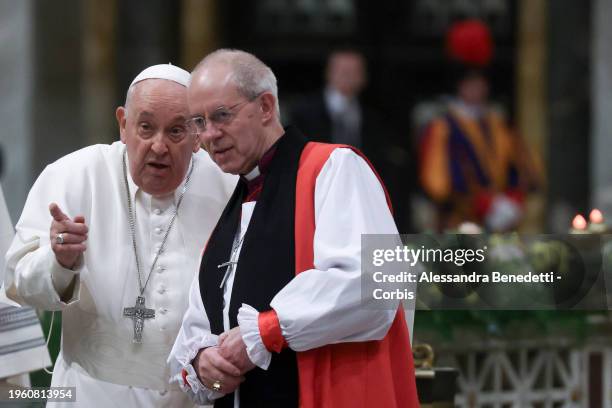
68, 236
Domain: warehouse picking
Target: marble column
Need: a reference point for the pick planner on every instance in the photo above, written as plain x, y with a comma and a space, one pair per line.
16, 102
531, 101
200, 30
98, 90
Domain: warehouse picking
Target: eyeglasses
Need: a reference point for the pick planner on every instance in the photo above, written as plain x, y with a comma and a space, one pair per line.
222, 116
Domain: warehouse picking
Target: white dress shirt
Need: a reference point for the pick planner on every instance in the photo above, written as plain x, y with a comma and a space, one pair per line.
346, 116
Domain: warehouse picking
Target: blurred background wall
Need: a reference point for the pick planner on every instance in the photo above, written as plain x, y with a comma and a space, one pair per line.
16, 89
66, 65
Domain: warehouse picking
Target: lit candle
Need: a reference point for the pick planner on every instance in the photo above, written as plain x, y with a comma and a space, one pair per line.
579, 225
596, 222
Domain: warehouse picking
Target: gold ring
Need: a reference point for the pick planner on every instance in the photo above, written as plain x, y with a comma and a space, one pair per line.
217, 386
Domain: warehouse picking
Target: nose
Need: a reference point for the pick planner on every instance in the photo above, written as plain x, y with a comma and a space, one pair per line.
211, 133
159, 145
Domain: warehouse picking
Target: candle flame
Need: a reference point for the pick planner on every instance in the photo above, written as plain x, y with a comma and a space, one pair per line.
596, 217
579, 223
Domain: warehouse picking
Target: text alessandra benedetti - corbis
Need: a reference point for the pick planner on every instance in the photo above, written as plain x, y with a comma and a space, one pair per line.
493, 277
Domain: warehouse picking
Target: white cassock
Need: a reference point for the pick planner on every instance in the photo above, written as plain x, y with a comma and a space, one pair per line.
349, 202
97, 353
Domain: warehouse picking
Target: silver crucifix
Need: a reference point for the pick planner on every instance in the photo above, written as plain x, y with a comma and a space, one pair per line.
229, 265
138, 313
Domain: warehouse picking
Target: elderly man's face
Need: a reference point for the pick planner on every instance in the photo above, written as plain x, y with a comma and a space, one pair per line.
153, 128
235, 143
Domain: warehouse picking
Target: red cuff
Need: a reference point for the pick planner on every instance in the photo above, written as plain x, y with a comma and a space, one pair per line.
270, 331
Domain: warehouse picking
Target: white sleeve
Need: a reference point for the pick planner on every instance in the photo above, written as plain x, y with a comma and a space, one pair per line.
323, 305
33, 275
248, 320
193, 336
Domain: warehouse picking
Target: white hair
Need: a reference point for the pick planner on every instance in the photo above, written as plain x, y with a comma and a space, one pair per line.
250, 75
128, 97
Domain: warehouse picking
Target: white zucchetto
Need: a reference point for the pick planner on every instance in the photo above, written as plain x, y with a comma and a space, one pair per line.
164, 71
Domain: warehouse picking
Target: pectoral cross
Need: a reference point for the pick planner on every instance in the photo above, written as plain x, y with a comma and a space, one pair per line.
229, 265
138, 313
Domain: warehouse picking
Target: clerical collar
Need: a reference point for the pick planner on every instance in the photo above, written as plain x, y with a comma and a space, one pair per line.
254, 179
253, 174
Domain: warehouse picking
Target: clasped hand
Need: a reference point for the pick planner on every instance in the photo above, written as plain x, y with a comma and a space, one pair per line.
225, 363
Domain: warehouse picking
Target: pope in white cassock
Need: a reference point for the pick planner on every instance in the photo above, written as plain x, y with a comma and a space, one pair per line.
111, 235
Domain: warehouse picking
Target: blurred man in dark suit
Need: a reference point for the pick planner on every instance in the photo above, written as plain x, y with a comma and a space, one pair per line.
335, 114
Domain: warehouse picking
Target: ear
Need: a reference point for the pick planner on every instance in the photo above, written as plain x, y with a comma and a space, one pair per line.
120, 114
268, 106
